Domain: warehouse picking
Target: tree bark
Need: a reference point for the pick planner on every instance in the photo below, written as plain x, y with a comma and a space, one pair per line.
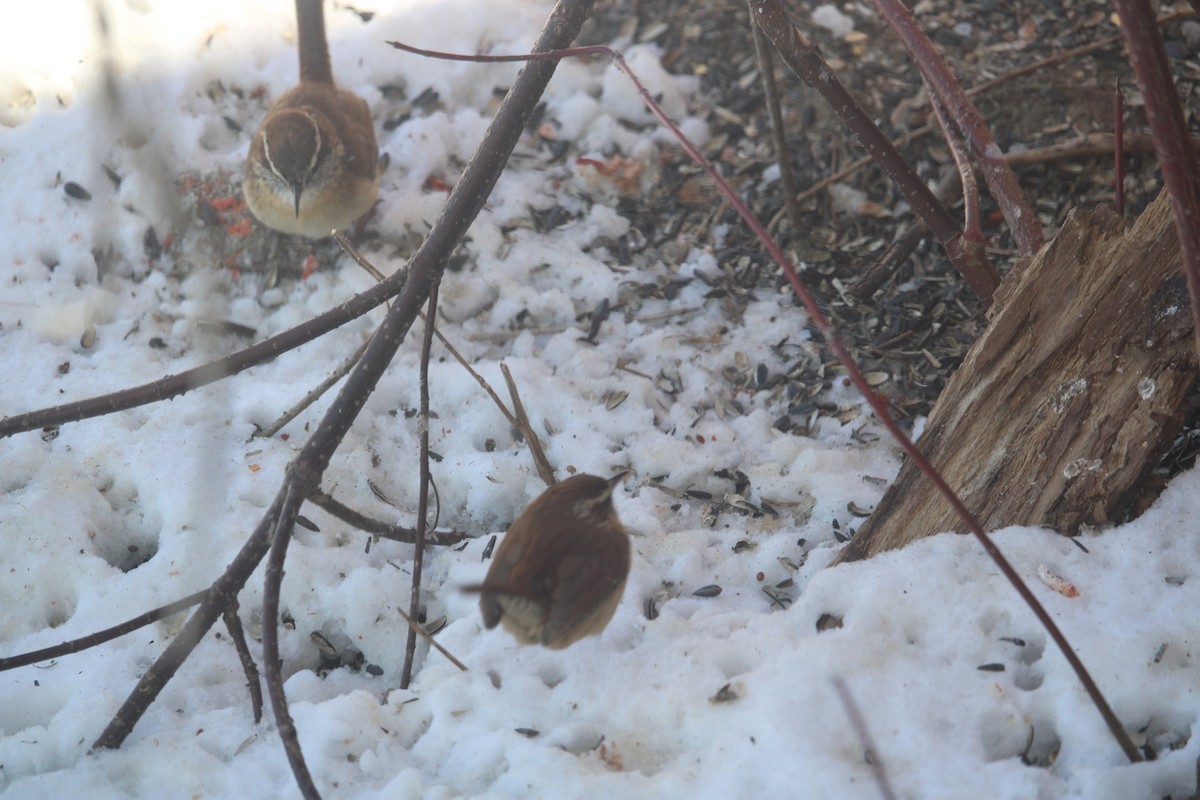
1073, 393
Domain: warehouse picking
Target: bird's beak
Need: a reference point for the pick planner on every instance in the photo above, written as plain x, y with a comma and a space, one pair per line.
297, 188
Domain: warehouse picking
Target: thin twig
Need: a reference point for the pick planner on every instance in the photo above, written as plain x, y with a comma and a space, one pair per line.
1066, 55
501, 336
903, 246
183, 382
100, 637
363, 262
342, 370
972, 231
349, 249
396, 533
414, 605
233, 624
424, 634
766, 69
854, 166
487, 387
870, 751
1094, 144
804, 59
272, 663
535, 445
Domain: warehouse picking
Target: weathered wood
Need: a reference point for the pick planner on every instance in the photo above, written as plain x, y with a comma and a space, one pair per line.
1072, 394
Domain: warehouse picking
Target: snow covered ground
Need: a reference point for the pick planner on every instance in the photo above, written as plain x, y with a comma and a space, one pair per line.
717, 697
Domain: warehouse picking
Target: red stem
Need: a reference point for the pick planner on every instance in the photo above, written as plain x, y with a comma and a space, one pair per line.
972, 231
855, 375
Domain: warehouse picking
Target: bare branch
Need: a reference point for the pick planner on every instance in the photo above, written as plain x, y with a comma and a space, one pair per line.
766, 68
233, 623
424, 634
272, 663
870, 751
414, 606
395, 533
535, 445
100, 637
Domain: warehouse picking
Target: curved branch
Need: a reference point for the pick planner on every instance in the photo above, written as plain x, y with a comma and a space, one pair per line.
100, 637
272, 663
175, 385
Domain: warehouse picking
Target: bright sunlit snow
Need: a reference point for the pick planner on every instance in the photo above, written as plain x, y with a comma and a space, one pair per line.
726, 696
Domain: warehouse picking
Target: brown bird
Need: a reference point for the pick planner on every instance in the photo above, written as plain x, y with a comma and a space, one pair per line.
560, 572
312, 163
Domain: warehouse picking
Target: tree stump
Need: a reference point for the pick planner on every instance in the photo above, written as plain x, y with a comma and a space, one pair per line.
1073, 393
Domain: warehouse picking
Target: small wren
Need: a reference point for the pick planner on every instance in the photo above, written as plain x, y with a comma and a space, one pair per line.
312, 163
560, 572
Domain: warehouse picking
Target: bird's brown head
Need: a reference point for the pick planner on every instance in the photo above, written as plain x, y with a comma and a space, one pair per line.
587, 498
294, 149
559, 573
